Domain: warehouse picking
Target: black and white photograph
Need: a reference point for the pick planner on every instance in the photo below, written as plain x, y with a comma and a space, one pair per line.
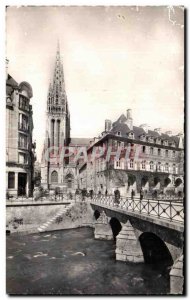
95, 140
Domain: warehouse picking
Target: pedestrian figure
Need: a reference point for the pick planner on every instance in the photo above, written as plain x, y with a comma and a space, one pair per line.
91, 194
141, 194
83, 194
132, 194
117, 196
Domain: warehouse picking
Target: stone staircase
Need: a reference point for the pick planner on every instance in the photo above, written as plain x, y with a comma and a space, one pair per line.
44, 227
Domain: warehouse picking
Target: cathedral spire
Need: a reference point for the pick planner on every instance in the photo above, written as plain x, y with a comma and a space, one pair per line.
56, 96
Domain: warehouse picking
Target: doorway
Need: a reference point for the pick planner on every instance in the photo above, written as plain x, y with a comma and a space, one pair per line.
22, 181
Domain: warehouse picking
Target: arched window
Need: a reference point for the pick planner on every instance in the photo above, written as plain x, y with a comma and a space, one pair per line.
159, 166
143, 149
131, 164
174, 168
143, 164
54, 177
166, 167
173, 154
151, 165
69, 180
151, 150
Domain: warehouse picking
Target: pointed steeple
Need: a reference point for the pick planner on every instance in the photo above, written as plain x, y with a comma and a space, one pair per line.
57, 100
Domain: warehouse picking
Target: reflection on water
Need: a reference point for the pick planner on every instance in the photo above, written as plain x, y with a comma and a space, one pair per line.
72, 262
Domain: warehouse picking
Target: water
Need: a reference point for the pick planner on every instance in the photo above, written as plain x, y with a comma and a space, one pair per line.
72, 262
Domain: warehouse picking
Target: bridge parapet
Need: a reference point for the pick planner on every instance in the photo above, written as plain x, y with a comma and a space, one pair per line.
162, 209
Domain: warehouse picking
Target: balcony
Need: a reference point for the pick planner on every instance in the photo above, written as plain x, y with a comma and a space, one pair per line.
23, 127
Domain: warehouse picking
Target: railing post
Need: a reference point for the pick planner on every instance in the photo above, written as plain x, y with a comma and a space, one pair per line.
158, 208
148, 207
170, 210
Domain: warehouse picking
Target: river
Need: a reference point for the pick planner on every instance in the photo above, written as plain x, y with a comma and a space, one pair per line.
73, 262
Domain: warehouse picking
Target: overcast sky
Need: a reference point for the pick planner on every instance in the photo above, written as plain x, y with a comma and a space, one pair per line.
114, 58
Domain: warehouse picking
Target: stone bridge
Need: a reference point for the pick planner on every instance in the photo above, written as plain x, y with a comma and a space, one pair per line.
148, 231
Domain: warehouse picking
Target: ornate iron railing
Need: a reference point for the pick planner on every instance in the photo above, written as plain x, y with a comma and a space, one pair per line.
167, 209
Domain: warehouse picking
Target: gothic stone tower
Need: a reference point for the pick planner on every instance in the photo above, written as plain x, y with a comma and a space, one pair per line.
57, 129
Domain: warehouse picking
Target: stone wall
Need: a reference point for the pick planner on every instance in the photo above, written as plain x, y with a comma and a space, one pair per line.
28, 218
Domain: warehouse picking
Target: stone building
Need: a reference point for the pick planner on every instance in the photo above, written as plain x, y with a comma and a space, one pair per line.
56, 171
148, 160
20, 150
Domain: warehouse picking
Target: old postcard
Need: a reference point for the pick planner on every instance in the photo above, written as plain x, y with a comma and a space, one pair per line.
95, 150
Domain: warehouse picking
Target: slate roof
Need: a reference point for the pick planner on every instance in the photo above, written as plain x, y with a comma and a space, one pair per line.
121, 126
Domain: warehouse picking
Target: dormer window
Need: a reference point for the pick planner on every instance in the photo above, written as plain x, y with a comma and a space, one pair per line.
158, 141
150, 139
131, 135
118, 133
142, 137
166, 143
172, 144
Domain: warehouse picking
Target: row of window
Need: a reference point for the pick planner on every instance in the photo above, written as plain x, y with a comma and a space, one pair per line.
149, 139
159, 152
151, 166
150, 150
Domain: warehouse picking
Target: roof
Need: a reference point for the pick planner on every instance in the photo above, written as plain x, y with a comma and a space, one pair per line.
121, 126
80, 141
11, 84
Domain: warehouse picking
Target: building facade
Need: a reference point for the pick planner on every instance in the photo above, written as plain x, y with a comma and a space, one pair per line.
146, 159
56, 171
20, 149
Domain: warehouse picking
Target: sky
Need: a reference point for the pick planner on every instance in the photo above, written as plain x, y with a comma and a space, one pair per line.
114, 58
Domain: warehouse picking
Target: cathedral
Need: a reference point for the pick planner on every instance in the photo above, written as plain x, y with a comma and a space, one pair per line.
56, 172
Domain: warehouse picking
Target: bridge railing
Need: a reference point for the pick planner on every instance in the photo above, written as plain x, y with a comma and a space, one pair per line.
59, 198
167, 209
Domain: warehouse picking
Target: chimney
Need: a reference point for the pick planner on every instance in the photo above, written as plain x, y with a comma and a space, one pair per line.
145, 127
7, 66
129, 120
168, 133
108, 125
180, 134
158, 130
181, 141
